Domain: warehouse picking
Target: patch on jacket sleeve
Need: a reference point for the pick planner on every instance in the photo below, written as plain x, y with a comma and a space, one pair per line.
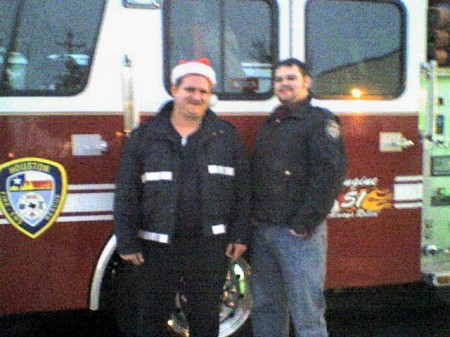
332, 129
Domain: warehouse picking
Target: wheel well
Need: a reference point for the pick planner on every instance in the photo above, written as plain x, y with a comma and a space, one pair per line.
102, 278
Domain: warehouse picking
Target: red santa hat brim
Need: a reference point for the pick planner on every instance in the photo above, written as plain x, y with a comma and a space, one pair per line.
197, 67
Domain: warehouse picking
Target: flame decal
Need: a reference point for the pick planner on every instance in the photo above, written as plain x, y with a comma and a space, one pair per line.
377, 200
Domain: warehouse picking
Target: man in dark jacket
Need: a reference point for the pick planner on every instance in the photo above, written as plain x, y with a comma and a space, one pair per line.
181, 205
298, 167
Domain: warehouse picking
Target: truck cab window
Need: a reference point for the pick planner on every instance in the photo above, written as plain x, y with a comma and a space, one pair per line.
46, 46
237, 36
360, 52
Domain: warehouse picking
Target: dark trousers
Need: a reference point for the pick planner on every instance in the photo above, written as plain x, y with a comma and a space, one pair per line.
202, 264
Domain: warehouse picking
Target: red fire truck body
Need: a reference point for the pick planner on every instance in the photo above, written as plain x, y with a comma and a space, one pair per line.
77, 78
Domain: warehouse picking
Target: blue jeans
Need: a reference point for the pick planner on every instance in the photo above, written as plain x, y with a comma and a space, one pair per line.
288, 275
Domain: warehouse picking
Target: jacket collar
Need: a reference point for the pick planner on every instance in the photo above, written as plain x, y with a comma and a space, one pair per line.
302, 108
163, 119
296, 110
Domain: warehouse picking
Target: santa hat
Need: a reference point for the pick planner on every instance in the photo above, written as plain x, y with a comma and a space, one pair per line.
200, 66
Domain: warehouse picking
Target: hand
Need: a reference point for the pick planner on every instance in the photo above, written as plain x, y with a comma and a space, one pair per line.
304, 235
136, 258
235, 251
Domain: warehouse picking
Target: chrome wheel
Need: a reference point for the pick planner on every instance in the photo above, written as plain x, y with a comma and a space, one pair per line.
235, 307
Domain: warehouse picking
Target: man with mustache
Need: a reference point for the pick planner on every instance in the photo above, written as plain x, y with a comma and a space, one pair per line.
181, 206
298, 167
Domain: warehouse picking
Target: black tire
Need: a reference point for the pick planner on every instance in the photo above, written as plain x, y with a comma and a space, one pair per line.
117, 296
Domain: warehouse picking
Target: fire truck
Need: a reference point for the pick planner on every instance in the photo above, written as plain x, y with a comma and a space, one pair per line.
77, 76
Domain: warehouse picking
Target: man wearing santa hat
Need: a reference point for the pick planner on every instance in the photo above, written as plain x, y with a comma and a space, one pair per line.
181, 205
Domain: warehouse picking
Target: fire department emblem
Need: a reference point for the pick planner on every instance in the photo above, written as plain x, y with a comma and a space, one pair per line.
32, 193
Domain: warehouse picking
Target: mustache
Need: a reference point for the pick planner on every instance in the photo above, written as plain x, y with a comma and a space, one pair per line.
195, 102
285, 87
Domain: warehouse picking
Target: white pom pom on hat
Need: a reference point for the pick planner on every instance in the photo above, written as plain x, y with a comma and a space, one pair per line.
200, 66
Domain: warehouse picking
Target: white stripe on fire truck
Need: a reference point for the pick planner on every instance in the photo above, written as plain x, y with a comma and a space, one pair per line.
84, 200
408, 205
408, 192
88, 187
406, 179
88, 202
78, 218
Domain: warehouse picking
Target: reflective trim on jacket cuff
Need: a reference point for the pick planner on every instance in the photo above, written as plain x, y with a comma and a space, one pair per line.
219, 229
151, 236
157, 176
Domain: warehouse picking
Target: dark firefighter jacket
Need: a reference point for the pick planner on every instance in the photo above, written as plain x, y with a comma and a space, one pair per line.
147, 187
298, 165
